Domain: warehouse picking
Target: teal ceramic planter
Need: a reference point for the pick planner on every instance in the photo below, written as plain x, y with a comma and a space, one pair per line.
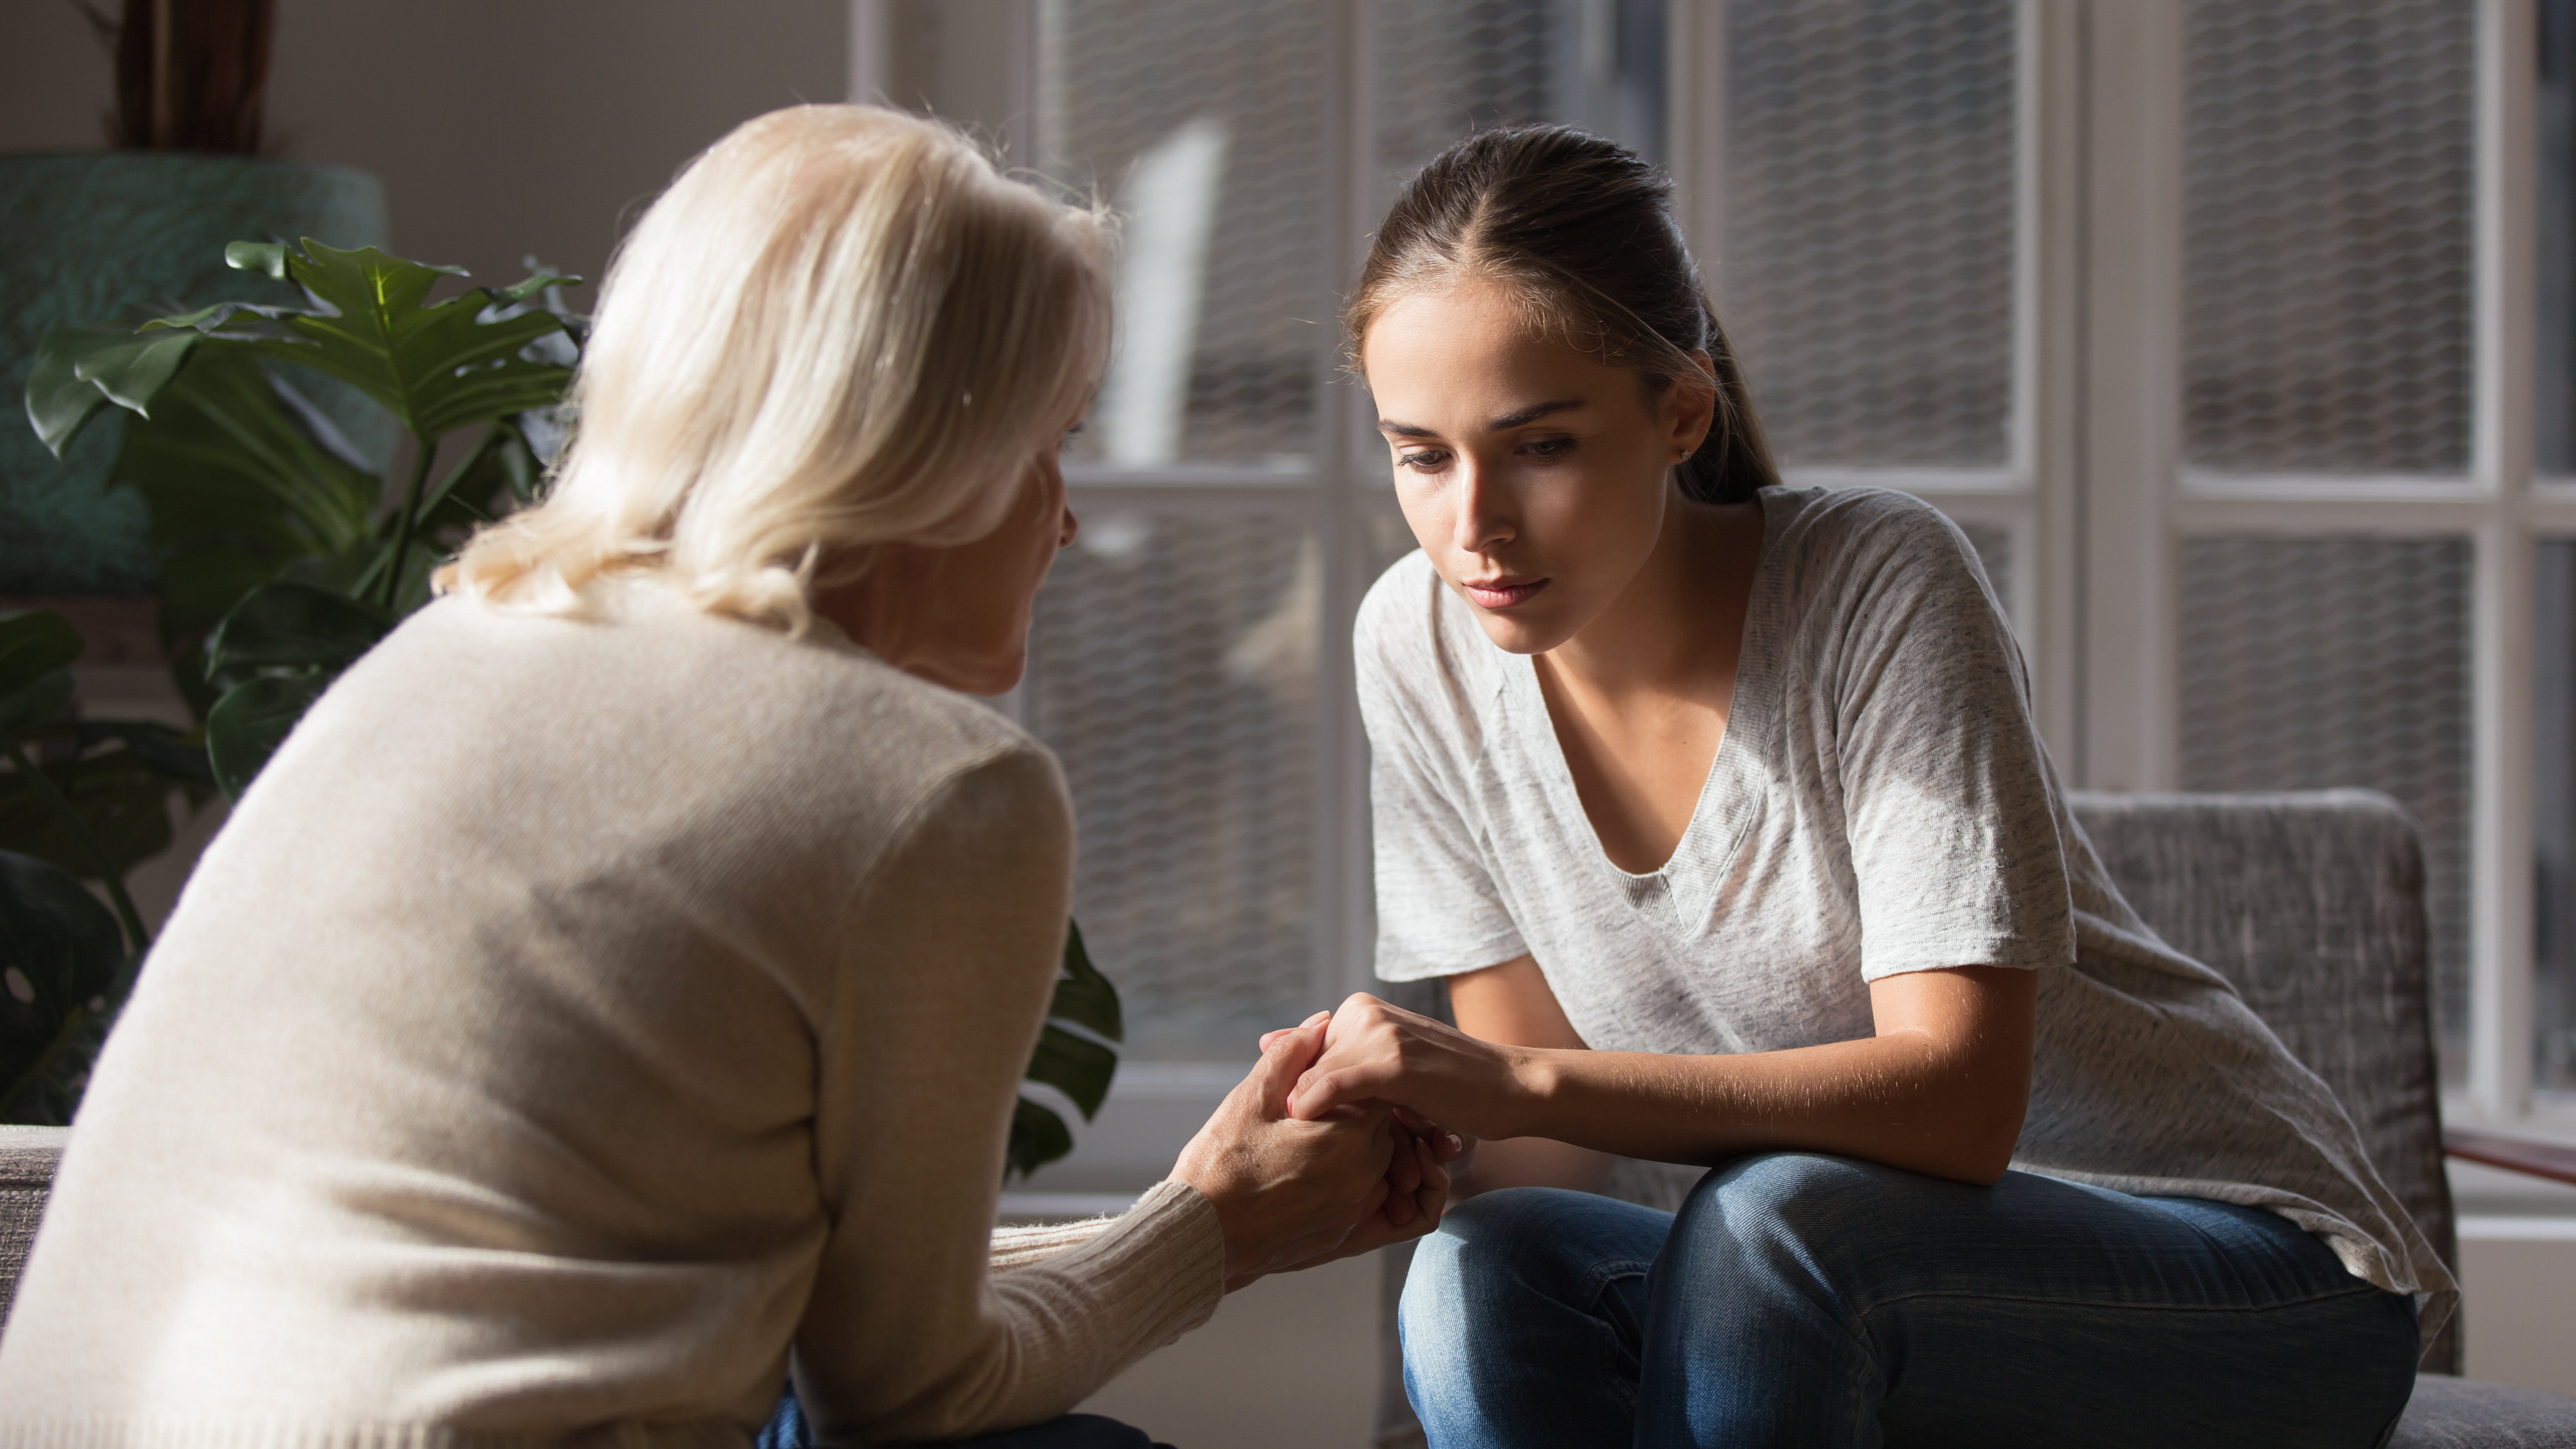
115, 236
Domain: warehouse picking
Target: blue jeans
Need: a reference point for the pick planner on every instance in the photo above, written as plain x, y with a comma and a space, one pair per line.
1808, 1300
787, 1429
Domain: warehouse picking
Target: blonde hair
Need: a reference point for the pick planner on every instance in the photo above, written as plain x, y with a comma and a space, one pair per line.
840, 327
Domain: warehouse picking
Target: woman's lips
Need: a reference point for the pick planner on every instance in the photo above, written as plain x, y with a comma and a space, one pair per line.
1503, 593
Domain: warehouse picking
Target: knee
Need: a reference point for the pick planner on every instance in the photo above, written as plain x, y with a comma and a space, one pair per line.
1801, 1212
1499, 1254
1483, 1249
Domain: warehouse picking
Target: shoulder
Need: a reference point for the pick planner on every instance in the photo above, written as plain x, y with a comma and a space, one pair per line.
1847, 549
1873, 524
813, 725
1399, 613
1411, 624
1417, 651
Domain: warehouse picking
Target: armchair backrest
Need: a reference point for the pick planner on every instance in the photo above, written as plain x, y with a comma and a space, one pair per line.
28, 1156
2312, 904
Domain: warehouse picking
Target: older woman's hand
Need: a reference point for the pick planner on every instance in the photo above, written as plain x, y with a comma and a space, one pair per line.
1292, 1194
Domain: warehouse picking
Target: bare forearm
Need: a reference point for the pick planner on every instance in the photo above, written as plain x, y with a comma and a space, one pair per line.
1531, 1162
1899, 1099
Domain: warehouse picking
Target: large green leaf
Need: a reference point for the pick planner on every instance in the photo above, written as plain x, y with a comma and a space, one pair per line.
1078, 1067
1038, 1137
39, 702
252, 719
295, 626
34, 644
1082, 995
62, 975
240, 484
436, 367
79, 370
1066, 1060
120, 800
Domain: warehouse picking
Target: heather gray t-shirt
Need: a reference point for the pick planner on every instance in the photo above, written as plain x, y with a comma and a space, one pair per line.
1880, 803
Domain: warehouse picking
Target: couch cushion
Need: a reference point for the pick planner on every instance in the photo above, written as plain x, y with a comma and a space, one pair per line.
28, 1156
2449, 1413
2312, 904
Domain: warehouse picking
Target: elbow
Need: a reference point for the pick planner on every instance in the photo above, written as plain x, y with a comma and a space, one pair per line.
1983, 1149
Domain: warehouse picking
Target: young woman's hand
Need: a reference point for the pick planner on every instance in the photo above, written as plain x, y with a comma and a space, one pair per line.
1294, 1192
1375, 1052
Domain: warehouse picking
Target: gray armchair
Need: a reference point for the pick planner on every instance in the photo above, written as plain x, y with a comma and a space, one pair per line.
2313, 905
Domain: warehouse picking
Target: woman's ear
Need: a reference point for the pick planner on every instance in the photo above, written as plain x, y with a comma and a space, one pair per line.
1692, 400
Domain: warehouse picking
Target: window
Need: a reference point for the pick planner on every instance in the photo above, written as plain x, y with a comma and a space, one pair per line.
2239, 338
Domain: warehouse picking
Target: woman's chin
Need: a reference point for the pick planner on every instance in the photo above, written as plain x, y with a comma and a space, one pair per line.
1517, 633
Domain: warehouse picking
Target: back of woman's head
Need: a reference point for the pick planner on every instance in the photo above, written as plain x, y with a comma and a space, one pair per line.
1580, 231
839, 328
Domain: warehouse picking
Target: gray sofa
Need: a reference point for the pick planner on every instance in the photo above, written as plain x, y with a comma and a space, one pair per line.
2313, 905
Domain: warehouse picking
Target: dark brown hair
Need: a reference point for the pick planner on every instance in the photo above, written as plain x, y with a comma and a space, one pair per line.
1581, 230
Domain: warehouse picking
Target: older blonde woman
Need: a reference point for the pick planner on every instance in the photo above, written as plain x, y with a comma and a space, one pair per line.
615, 991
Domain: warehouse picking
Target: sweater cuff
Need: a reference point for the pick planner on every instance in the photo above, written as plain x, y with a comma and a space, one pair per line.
1167, 1253
1020, 1247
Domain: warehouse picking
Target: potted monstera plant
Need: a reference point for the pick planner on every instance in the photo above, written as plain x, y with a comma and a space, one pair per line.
283, 557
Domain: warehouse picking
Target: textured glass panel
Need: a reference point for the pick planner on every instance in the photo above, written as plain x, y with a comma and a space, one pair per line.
1203, 125
1867, 275
2554, 385
1173, 671
2554, 815
1449, 67
2327, 267
2317, 663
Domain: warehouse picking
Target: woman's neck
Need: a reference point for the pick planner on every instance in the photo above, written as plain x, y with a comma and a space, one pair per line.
1675, 630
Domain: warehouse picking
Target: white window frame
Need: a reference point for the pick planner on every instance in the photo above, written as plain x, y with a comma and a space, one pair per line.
2093, 495
2136, 487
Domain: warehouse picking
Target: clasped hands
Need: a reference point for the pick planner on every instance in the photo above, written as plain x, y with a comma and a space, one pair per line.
1318, 1154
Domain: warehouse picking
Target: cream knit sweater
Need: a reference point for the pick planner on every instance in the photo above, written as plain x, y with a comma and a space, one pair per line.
575, 1017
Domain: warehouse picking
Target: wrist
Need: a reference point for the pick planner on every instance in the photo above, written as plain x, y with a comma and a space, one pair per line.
1534, 1084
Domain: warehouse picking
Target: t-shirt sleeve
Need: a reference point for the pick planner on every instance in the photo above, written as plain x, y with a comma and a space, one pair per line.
1948, 804
1439, 910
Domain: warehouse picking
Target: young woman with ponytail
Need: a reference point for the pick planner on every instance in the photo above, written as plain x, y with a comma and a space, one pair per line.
1718, 806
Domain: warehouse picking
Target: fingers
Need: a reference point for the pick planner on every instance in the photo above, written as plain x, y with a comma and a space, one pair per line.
1317, 1019
1284, 1058
1319, 1093
1404, 1174
1445, 1145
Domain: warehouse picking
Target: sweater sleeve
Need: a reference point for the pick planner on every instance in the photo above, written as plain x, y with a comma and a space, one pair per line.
948, 962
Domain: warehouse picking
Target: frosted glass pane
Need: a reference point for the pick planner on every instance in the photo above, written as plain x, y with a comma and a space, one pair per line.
2554, 384
1867, 275
2554, 815
1173, 671
1203, 125
2320, 663
2327, 180
1446, 68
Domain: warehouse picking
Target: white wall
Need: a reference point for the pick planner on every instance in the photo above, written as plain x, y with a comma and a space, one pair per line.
500, 129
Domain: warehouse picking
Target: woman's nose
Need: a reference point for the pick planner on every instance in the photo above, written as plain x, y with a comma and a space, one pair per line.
1484, 518
1071, 530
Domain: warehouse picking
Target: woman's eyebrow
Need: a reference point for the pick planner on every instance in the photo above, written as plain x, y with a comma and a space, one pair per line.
1530, 414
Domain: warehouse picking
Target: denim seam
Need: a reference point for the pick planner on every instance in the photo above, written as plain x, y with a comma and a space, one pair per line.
1596, 1285
2357, 1290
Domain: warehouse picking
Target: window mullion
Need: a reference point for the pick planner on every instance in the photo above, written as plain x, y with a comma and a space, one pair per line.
2501, 957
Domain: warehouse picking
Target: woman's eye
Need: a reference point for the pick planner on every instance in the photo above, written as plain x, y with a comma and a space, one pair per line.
1551, 447
1064, 444
1423, 460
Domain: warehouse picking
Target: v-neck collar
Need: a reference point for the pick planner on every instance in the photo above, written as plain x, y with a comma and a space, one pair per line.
1730, 799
